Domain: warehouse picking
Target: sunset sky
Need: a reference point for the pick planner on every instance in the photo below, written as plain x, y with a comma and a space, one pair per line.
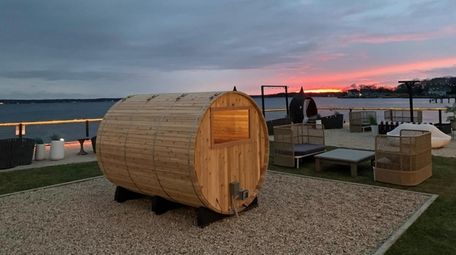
111, 48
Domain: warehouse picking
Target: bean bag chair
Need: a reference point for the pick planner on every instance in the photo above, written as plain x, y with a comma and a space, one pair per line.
438, 138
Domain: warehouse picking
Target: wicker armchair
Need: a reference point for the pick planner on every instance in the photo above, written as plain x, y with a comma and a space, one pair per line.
405, 159
359, 121
276, 122
295, 141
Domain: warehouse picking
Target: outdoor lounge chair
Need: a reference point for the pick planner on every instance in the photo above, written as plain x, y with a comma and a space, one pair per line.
405, 159
295, 141
333, 121
15, 152
22, 151
5, 154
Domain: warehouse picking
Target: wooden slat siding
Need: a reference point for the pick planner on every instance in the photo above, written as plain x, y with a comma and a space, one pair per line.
139, 110
115, 132
129, 150
140, 163
171, 162
168, 147
220, 165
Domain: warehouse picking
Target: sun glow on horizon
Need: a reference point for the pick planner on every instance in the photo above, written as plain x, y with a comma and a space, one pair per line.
385, 75
322, 90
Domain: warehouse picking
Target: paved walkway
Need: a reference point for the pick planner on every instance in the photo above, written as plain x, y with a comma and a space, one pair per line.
71, 156
333, 137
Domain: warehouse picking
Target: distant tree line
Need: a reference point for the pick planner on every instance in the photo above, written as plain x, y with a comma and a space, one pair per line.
37, 101
435, 87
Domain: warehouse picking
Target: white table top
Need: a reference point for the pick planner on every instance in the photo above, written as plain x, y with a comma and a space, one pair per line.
347, 155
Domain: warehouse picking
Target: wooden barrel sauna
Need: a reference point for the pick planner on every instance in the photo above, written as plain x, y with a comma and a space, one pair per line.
186, 148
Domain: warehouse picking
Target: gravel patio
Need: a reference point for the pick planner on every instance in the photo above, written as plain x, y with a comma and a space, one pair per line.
295, 215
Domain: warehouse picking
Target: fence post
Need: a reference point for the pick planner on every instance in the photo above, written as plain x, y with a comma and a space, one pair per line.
440, 116
20, 130
286, 102
87, 128
262, 101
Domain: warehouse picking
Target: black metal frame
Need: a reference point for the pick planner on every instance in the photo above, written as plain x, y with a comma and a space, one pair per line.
274, 86
159, 206
410, 85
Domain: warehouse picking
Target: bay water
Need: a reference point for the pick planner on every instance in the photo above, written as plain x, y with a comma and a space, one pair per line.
83, 110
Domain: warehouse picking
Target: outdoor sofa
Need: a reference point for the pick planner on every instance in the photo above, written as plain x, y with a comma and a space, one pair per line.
295, 141
276, 122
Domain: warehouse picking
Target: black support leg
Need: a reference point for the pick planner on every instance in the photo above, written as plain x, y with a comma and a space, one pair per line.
123, 194
204, 216
252, 205
161, 205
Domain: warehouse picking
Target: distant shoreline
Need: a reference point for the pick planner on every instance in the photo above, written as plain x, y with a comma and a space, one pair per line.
40, 101
94, 100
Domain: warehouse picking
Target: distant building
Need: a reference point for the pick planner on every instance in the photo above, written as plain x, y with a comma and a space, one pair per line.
439, 87
439, 91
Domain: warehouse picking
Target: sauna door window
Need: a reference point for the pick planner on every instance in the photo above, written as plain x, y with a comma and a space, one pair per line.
230, 125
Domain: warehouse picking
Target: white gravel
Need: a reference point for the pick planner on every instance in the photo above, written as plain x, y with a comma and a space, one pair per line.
296, 215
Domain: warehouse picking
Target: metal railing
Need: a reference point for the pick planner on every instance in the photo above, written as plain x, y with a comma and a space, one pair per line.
20, 126
438, 109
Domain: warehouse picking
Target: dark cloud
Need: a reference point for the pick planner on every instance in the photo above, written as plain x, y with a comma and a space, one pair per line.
155, 41
58, 75
170, 36
41, 94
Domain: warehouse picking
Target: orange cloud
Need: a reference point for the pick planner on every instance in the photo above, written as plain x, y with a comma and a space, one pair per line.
341, 79
378, 39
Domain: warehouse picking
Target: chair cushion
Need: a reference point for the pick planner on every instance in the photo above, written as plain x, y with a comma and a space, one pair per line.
304, 149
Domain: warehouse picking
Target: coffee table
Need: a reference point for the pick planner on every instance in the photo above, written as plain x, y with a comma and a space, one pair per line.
349, 157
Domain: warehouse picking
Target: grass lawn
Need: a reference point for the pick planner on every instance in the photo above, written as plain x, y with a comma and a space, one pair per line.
38, 177
433, 233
